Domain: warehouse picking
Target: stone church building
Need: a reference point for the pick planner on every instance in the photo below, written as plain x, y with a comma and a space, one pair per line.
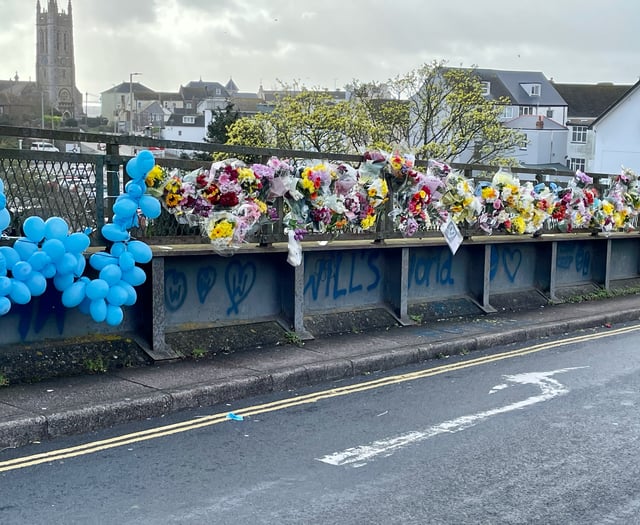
55, 63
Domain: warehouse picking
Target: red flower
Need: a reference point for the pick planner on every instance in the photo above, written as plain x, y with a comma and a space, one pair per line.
228, 199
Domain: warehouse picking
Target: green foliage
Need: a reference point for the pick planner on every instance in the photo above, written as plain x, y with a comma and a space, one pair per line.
293, 339
218, 128
433, 111
3, 380
95, 365
198, 353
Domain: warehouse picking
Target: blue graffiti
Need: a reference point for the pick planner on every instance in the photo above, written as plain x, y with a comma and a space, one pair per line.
422, 270
509, 258
239, 279
205, 281
574, 254
328, 272
175, 289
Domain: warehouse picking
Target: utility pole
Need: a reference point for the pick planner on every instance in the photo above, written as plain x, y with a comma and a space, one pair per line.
131, 101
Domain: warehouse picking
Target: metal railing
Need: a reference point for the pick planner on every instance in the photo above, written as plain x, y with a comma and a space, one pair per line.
82, 187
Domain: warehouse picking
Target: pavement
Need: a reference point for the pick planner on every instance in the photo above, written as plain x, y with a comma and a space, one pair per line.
74, 405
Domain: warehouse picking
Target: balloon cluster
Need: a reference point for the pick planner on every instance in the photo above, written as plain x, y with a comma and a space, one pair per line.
48, 251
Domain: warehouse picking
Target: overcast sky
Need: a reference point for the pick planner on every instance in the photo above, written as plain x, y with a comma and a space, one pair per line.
327, 43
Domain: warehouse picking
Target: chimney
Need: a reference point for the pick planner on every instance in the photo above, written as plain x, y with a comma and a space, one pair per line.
539, 122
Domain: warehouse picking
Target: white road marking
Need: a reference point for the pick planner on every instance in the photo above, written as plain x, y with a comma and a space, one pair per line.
360, 455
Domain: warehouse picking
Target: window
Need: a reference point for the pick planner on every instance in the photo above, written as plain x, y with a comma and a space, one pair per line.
524, 141
508, 112
189, 120
579, 134
575, 164
179, 133
527, 110
218, 91
485, 88
535, 90
189, 105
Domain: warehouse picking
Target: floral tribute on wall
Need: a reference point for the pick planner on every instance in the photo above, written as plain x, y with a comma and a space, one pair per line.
231, 199
49, 254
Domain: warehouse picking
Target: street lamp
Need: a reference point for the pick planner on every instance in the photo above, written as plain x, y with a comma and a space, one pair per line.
131, 101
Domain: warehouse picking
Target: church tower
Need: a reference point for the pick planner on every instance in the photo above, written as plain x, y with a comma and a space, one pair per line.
55, 64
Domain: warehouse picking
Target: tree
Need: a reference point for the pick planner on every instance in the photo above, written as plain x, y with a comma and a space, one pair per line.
218, 128
449, 116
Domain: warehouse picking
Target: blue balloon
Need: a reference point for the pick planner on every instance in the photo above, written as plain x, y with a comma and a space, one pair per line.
117, 295
150, 207
62, 281
117, 248
114, 233
99, 260
21, 270
132, 295
126, 261
25, 248
77, 242
135, 189
3, 265
49, 270
56, 228
81, 264
97, 289
66, 264
5, 286
5, 219
36, 283
3, 201
135, 276
114, 315
141, 251
146, 161
111, 274
74, 295
54, 248
134, 170
98, 310
19, 293
33, 228
125, 206
1, 186
11, 256
5, 305
39, 260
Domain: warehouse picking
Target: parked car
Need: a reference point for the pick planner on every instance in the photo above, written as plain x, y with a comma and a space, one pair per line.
43, 146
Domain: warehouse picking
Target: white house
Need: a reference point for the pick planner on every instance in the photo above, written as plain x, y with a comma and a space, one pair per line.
617, 135
586, 103
187, 126
545, 143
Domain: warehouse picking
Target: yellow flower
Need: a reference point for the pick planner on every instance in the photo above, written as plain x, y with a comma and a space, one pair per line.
372, 192
154, 176
368, 221
173, 185
307, 184
607, 207
518, 225
488, 192
222, 229
245, 174
619, 218
261, 206
172, 199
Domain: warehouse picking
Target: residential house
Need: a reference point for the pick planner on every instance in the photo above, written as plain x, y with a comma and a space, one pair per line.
616, 131
528, 92
151, 114
586, 103
185, 125
21, 103
544, 144
118, 102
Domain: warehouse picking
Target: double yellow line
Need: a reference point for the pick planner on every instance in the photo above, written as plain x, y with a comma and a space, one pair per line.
201, 422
